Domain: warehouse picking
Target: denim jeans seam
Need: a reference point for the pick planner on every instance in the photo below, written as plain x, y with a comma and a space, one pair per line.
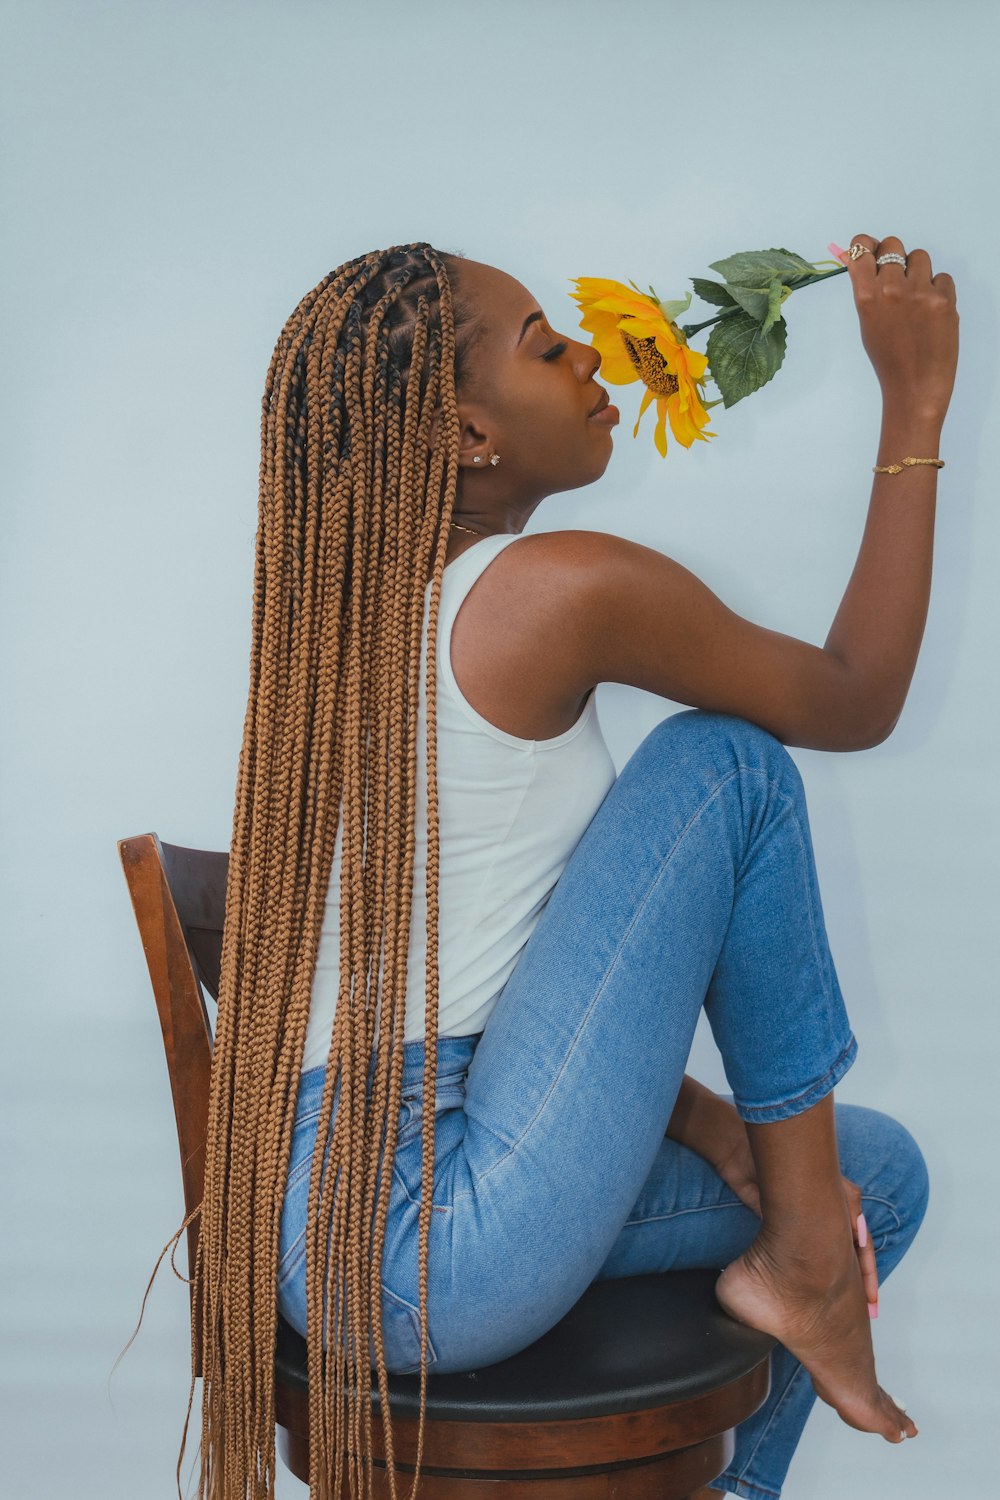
297, 1173
886, 1203
664, 865
440, 1208
748, 1490
414, 1315
680, 1213
804, 851
849, 1047
290, 1261
741, 1477
791, 799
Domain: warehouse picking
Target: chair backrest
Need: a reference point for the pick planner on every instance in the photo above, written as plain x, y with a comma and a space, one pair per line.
179, 899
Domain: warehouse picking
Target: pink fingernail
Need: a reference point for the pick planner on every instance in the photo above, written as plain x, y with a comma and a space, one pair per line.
862, 1231
873, 1309
837, 253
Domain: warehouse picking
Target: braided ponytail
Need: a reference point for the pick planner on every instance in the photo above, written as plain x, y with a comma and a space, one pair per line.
354, 507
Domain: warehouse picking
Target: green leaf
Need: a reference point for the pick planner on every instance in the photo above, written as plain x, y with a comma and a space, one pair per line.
712, 291
753, 300
758, 268
672, 310
776, 294
742, 357
756, 280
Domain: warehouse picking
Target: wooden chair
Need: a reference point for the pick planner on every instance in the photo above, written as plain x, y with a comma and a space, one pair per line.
633, 1394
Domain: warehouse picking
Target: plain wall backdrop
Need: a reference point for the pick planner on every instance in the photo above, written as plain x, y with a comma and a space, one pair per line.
176, 177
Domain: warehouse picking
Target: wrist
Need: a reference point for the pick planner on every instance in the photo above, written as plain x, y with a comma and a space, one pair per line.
705, 1122
907, 419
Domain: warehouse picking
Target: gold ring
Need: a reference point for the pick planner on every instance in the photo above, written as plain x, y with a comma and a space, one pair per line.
857, 250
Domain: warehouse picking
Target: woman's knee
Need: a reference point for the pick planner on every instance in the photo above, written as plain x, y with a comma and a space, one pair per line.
882, 1157
750, 744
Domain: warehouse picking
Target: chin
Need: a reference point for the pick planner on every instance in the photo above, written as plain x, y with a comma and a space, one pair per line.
602, 463
597, 463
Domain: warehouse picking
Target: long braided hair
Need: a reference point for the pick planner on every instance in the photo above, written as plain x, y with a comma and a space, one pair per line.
353, 500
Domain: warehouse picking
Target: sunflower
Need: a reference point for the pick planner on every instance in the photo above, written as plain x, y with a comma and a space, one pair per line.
638, 340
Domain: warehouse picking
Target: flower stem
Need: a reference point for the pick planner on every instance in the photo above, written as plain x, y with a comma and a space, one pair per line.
688, 329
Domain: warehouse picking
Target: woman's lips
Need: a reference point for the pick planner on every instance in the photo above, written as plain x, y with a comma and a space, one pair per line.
608, 416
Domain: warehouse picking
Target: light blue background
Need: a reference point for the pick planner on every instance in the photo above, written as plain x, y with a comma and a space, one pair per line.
176, 177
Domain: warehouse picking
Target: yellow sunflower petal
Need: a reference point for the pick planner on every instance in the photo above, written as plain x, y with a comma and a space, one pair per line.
595, 320
686, 416
647, 397
641, 328
695, 362
660, 432
610, 312
617, 369
591, 287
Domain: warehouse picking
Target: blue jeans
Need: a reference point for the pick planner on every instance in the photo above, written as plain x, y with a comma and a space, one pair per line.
693, 885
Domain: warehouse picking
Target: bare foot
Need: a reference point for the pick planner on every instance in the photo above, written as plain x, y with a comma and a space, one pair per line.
820, 1314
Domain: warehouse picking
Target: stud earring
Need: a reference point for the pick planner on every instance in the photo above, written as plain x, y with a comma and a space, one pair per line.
494, 459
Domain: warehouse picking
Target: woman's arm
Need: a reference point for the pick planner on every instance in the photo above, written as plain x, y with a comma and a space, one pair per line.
711, 1127
630, 614
877, 631
704, 1122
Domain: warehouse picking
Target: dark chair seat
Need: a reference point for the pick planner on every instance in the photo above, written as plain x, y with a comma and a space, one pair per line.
628, 1344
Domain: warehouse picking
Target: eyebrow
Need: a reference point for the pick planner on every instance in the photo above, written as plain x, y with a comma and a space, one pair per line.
527, 323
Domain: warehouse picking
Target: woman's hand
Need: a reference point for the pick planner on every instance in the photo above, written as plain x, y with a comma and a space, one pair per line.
909, 324
734, 1163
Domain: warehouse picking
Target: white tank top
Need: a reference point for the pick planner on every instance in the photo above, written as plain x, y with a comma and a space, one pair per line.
511, 813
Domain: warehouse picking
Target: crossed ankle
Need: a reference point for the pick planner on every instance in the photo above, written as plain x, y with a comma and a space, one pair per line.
817, 1262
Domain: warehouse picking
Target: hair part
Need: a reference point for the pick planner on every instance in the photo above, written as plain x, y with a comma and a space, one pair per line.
351, 499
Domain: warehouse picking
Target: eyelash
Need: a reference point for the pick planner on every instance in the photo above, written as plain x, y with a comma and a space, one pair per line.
555, 353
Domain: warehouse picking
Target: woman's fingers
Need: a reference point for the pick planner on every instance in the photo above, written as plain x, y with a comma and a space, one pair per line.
862, 1241
909, 323
751, 1197
869, 1271
892, 270
862, 270
918, 266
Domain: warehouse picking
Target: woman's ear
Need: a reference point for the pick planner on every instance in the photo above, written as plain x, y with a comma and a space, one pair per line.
470, 435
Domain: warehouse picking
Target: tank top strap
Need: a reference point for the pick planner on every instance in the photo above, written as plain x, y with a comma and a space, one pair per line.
461, 574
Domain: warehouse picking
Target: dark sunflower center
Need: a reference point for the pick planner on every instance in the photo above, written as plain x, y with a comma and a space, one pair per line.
649, 362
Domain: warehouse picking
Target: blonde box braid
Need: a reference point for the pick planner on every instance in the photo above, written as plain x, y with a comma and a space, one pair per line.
353, 501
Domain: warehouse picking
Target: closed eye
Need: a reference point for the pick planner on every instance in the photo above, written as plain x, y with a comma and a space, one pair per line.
555, 352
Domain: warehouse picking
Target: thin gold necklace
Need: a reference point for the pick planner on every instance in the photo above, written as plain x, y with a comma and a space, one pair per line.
470, 530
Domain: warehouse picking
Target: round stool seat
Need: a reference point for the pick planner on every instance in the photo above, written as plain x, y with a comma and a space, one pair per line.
630, 1343
644, 1374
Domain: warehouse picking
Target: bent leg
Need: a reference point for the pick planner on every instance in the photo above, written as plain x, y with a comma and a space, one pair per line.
693, 884
686, 1216
881, 1156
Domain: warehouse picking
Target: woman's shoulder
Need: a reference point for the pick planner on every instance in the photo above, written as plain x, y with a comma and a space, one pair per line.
557, 562
517, 643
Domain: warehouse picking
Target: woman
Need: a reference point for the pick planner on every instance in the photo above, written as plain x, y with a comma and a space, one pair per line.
556, 929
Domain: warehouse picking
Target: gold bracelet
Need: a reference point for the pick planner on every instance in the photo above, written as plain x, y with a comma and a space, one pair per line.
907, 462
